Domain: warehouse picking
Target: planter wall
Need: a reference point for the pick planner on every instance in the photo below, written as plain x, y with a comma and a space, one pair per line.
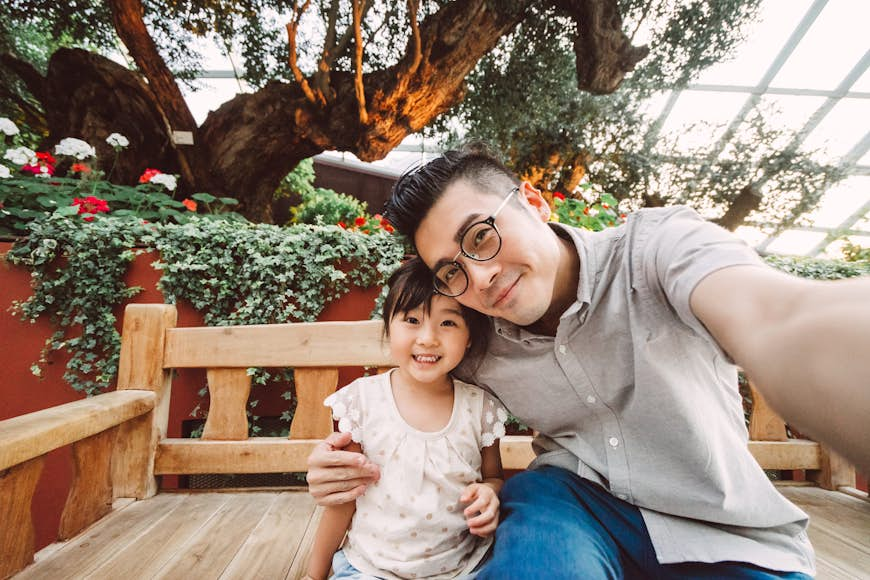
21, 392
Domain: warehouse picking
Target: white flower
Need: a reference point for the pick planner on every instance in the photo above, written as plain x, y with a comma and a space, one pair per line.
345, 425
166, 180
498, 430
21, 156
43, 172
4, 172
501, 414
487, 439
117, 140
74, 148
7, 127
489, 417
338, 409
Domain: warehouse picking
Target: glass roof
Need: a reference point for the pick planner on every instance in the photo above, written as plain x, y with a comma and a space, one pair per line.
810, 59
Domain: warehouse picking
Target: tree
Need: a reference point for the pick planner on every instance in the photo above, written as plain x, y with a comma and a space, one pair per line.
557, 137
372, 72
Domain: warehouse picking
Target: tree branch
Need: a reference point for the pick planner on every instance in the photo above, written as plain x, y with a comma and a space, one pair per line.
358, 6
747, 201
292, 28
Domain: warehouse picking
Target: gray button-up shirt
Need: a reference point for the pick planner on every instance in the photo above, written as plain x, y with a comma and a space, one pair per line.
634, 394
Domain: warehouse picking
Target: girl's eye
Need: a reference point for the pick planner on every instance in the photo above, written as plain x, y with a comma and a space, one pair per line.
411, 319
448, 323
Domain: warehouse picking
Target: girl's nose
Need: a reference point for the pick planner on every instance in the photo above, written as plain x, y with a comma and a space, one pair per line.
427, 334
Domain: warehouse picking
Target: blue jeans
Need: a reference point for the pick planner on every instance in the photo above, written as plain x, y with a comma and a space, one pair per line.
344, 570
562, 526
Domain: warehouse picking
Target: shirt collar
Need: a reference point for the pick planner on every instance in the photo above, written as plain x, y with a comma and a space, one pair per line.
583, 243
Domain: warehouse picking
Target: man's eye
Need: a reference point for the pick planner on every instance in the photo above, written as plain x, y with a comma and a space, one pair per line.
450, 273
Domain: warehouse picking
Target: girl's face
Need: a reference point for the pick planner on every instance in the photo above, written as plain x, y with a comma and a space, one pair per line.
428, 345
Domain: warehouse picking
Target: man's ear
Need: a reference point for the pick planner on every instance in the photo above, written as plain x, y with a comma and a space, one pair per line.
536, 200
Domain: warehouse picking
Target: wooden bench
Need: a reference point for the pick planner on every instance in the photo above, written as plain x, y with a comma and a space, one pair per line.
117, 523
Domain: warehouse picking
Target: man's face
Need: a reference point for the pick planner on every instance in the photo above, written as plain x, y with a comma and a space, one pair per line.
518, 284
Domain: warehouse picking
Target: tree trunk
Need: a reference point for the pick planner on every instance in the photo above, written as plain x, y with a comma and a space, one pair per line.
747, 201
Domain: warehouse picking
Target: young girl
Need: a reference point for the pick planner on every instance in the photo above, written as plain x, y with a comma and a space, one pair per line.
435, 507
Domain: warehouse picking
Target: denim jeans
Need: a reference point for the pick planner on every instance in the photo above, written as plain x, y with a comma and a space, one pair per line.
344, 570
559, 526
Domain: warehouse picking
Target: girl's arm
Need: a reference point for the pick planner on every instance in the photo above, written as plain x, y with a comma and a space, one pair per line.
330, 534
482, 513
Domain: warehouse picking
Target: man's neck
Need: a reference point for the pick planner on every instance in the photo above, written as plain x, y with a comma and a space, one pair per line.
564, 290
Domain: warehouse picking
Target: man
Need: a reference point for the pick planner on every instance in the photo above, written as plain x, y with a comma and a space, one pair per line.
618, 347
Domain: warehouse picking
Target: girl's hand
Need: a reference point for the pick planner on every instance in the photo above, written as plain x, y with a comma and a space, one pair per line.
482, 514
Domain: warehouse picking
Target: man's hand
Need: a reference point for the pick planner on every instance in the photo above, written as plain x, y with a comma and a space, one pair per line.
482, 514
336, 476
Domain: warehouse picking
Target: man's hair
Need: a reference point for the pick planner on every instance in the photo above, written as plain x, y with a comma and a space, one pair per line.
417, 190
411, 286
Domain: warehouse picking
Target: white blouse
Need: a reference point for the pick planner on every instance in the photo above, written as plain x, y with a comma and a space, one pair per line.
410, 524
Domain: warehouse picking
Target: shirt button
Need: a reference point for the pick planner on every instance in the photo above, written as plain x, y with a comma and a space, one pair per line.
562, 349
591, 399
622, 496
613, 441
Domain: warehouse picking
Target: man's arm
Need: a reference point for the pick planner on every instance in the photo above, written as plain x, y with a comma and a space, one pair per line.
330, 534
804, 343
336, 476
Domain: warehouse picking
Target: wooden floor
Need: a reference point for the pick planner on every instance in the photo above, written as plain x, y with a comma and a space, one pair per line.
267, 534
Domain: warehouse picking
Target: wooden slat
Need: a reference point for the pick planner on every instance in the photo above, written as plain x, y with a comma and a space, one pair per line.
516, 453
284, 525
764, 424
300, 561
101, 542
90, 496
17, 485
141, 367
228, 396
213, 546
146, 554
254, 455
34, 434
309, 344
313, 420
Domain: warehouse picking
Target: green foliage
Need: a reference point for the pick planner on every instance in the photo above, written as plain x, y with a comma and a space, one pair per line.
819, 269
855, 253
232, 273
595, 216
327, 207
300, 181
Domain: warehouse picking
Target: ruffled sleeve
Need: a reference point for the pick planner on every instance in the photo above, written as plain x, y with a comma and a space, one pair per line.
346, 409
492, 420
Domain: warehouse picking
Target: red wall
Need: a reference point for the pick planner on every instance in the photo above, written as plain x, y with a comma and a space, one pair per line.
21, 392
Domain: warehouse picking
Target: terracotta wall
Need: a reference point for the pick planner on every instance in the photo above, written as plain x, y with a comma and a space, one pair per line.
21, 392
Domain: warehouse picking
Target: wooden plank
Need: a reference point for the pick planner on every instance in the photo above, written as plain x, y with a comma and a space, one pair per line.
34, 434
99, 543
304, 344
147, 554
90, 496
299, 567
764, 423
17, 485
516, 453
284, 525
312, 419
214, 545
141, 367
228, 396
839, 514
254, 455
834, 472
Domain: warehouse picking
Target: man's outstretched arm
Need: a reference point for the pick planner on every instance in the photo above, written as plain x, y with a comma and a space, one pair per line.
804, 343
336, 476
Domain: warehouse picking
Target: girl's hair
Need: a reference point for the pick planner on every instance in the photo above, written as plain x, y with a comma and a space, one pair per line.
411, 285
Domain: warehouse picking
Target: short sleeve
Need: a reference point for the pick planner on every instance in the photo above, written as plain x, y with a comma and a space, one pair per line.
492, 420
346, 409
686, 249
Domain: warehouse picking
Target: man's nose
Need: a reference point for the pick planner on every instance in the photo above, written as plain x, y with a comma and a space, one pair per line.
482, 275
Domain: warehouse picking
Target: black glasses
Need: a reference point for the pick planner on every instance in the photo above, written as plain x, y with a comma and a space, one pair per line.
479, 242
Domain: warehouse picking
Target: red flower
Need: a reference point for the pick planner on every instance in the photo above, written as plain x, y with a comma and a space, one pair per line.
149, 173
80, 168
43, 160
360, 221
342, 225
91, 205
559, 195
388, 227
585, 211
622, 215
189, 204
605, 206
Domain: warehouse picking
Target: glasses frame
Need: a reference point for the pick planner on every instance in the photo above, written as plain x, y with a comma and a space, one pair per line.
490, 221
